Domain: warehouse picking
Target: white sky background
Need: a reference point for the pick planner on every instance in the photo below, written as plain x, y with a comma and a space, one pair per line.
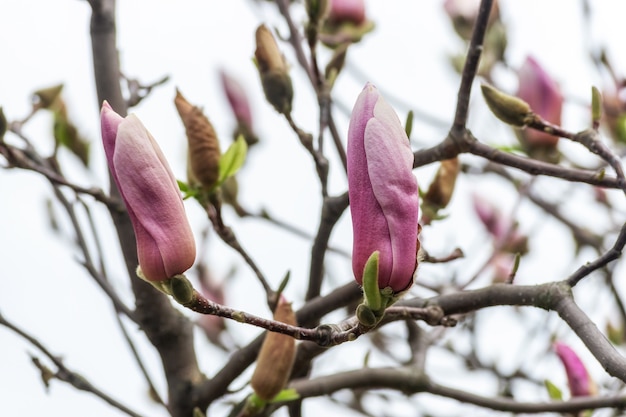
43, 42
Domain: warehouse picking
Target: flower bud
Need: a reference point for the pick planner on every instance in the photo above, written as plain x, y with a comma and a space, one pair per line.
204, 147
276, 356
383, 192
240, 106
346, 11
578, 379
503, 230
544, 97
505, 107
273, 71
165, 243
237, 99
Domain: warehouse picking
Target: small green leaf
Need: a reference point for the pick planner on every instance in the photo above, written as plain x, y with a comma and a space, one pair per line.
553, 391
187, 190
596, 105
286, 395
232, 159
408, 126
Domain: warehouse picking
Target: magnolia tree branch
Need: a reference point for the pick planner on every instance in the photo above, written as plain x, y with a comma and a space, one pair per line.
332, 209
470, 68
63, 373
408, 381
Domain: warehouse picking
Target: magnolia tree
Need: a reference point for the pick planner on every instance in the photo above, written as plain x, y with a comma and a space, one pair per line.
484, 275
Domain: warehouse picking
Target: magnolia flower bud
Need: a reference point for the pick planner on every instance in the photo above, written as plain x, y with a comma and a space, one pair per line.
273, 71
276, 356
383, 192
578, 379
544, 97
165, 243
237, 98
503, 230
240, 106
204, 147
346, 11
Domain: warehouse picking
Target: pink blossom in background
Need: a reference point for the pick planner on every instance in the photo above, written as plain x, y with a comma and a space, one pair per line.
542, 93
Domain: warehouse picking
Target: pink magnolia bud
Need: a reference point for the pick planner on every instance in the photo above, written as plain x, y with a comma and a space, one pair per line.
491, 218
543, 95
237, 99
580, 384
383, 192
342, 11
165, 243
502, 229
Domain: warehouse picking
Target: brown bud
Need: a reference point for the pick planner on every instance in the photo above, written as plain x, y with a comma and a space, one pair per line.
273, 71
440, 191
275, 357
267, 54
507, 108
204, 147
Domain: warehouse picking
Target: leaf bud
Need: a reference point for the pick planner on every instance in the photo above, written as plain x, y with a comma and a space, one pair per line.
507, 108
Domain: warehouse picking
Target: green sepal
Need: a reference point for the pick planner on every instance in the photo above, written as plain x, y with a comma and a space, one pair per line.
553, 391
285, 395
408, 126
232, 160
371, 292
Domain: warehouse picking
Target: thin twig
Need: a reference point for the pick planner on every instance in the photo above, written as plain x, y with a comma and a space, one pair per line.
63, 373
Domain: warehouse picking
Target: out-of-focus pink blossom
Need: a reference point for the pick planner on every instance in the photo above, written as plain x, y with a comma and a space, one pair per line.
502, 229
344, 11
383, 192
542, 93
237, 98
578, 379
165, 243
